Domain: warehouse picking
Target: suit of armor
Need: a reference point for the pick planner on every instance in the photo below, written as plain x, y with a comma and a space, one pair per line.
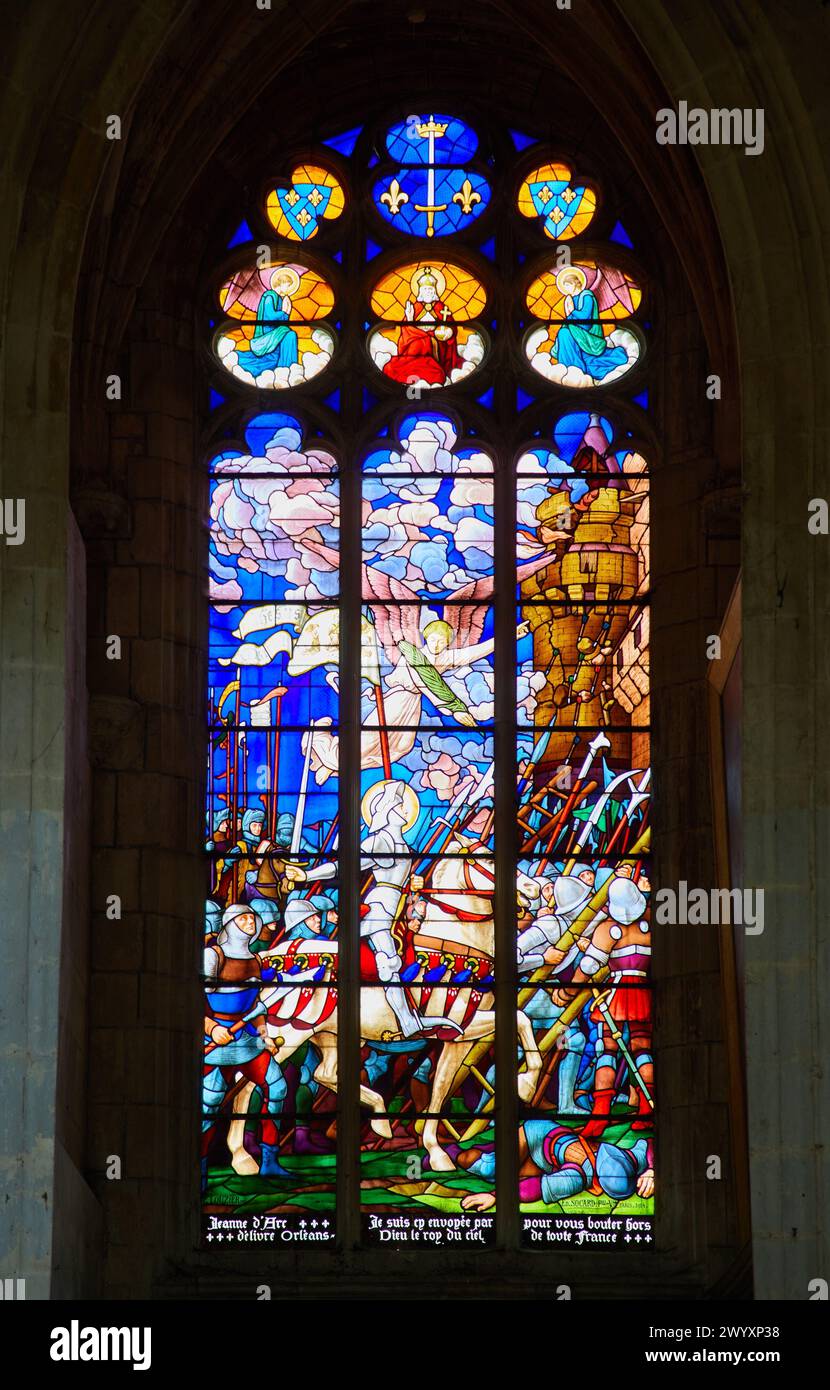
385, 854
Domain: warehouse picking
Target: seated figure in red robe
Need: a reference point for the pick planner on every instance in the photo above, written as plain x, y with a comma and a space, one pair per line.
429, 351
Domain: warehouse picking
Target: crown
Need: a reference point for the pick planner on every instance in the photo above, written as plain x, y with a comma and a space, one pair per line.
431, 127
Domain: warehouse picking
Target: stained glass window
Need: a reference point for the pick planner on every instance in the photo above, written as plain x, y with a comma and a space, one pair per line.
429, 337
428, 704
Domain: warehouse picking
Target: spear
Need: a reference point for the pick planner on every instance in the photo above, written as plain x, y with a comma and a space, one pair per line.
537, 752
299, 817
263, 705
616, 1034
599, 742
331, 832
462, 798
601, 804
370, 663
640, 794
234, 756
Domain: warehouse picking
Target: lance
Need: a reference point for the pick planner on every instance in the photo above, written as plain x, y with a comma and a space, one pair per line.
383, 733
549, 829
299, 817
537, 752
330, 834
227, 775
600, 806
242, 757
235, 754
210, 779
272, 745
547, 1043
263, 707
372, 673
542, 831
640, 794
279, 691
597, 743
445, 823
226, 743
535, 802
616, 1034
488, 825
230, 756
568, 1014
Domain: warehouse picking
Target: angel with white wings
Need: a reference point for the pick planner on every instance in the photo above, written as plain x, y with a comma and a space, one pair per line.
408, 664
404, 662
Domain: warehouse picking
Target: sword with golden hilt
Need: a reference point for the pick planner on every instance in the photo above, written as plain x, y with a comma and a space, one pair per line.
431, 130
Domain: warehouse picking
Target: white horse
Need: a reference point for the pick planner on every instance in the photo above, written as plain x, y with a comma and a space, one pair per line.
459, 918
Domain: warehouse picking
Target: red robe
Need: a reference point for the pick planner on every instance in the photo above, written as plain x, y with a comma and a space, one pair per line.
420, 354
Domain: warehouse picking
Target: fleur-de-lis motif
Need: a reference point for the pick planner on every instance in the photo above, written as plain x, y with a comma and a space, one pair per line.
395, 197
467, 197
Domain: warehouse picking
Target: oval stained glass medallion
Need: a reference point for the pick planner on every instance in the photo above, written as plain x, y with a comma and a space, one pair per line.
428, 337
583, 342
277, 340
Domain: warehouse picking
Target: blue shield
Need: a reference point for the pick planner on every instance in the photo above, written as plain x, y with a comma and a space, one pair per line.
303, 204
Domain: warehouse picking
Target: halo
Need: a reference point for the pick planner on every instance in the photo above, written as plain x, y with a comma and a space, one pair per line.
570, 270
288, 273
412, 806
440, 279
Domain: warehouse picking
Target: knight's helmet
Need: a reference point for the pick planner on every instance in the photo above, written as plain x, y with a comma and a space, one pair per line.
299, 910
380, 807
284, 829
625, 901
253, 816
570, 895
231, 938
618, 1169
